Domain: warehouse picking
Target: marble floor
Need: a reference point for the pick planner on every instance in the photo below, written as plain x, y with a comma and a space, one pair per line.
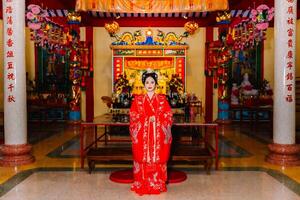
227, 185
246, 176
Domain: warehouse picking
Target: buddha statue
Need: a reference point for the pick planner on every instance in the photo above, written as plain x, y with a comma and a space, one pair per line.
246, 86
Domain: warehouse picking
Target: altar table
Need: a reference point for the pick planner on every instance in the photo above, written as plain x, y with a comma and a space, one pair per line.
109, 119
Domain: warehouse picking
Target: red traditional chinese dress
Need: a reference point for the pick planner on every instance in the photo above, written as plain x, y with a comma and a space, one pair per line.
150, 130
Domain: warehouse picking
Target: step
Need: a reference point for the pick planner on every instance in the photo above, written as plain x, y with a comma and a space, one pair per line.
179, 153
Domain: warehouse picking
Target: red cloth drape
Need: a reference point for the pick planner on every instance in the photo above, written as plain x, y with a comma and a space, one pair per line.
150, 130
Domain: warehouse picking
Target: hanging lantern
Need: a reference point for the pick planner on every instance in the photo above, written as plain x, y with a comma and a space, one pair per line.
112, 28
191, 27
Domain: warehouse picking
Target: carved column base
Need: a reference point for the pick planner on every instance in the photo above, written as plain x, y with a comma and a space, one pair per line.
284, 154
14, 155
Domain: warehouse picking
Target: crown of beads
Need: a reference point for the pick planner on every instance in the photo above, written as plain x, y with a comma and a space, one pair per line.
150, 71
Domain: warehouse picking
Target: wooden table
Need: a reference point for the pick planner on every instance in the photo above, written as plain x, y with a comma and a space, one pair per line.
43, 109
254, 112
178, 120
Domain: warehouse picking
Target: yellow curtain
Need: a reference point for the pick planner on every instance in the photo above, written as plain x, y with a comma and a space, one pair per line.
151, 6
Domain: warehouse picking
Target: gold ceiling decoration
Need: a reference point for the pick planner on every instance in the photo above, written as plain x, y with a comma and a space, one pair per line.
73, 17
150, 6
223, 17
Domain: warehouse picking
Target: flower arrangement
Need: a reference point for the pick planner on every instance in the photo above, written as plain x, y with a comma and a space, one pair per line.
261, 16
265, 88
122, 85
176, 85
35, 16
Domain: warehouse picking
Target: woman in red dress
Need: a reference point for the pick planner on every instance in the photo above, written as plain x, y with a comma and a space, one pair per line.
150, 130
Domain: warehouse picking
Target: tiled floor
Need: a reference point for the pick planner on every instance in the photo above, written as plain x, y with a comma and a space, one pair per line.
244, 177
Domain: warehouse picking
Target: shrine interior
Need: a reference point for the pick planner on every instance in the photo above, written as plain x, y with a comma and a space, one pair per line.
229, 69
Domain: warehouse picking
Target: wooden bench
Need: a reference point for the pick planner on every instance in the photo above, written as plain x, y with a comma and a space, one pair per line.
180, 153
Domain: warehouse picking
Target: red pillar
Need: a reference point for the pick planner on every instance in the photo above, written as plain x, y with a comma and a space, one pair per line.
89, 80
208, 83
262, 60
36, 63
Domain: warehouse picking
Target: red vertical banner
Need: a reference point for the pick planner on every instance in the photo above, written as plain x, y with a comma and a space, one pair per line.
118, 67
289, 67
89, 80
180, 68
10, 57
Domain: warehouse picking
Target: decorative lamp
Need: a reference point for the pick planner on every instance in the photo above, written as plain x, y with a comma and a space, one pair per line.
191, 27
112, 28
73, 17
223, 18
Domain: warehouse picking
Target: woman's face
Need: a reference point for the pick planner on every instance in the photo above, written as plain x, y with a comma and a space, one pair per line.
150, 84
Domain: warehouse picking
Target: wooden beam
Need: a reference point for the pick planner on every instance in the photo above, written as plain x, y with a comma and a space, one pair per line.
148, 22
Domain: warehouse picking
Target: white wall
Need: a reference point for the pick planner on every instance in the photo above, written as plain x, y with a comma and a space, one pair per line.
29, 55
102, 69
269, 56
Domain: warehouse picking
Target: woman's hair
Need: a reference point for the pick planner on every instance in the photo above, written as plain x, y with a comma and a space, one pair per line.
147, 74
